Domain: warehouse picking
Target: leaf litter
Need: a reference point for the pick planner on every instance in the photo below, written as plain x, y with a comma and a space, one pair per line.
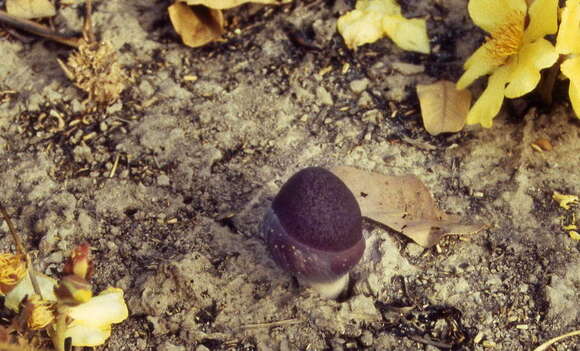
404, 204
200, 22
443, 108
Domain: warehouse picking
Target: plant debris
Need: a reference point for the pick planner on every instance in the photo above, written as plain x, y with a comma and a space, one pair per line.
30, 9
404, 204
443, 107
196, 25
374, 19
94, 69
200, 22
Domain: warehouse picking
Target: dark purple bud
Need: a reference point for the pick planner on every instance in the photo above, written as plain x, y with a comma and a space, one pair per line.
314, 230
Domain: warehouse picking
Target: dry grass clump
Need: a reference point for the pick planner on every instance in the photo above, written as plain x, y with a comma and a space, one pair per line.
94, 69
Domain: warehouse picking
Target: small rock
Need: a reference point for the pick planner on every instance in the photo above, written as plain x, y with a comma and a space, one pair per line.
201, 348
372, 116
324, 30
55, 257
116, 107
359, 85
365, 100
85, 222
163, 180
76, 106
324, 96
146, 88
407, 68
83, 153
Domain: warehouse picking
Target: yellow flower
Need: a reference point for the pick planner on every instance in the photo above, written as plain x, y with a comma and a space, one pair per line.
514, 53
73, 290
568, 43
39, 313
24, 288
92, 320
375, 19
12, 270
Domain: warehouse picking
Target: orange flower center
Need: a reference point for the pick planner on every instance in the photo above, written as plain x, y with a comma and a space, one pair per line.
507, 39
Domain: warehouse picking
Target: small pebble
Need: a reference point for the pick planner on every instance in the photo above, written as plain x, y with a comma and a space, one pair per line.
324, 96
359, 85
163, 180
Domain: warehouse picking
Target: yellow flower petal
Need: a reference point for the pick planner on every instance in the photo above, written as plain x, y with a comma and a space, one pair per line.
92, 320
364, 24
373, 19
24, 288
82, 335
478, 64
526, 67
490, 15
38, 312
565, 200
359, 27
408, 34
543, 19
574, 93
489, 103
106, 308
568, 37
12, 270
571, 69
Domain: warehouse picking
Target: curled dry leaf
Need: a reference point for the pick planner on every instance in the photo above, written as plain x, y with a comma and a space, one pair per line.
443, 108
199, 22
404, 204
196, 25
30, 9
228, 4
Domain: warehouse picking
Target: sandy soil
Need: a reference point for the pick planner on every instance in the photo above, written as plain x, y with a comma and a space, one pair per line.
176, 225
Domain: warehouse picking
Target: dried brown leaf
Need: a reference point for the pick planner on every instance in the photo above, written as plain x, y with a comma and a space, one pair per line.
30, 9
196, 25
228, 4
443, 108
404, 204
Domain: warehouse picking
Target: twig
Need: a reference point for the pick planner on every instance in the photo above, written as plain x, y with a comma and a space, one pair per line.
273, 324
21, 250
37, 29
88, 32
19, 247
549, 343
114, 169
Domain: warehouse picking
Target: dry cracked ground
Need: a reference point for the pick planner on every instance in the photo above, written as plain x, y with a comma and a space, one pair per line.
175, 221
